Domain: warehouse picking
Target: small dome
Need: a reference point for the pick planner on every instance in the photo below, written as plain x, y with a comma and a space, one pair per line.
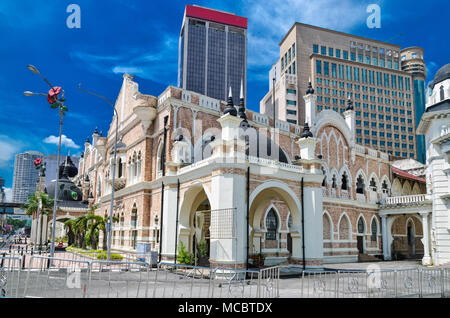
441, 75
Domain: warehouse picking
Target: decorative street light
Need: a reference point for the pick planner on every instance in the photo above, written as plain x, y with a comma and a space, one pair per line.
55, 103
116, 146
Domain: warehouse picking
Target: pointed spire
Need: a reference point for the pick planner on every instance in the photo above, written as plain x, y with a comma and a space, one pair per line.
96, 131
349, 104
310, 89
241, 110
230, 109
306, 132
87, 140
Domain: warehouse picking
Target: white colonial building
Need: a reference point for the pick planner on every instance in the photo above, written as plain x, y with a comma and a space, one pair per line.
435, 125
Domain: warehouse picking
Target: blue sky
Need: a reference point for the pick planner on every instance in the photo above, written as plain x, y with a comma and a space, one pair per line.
141, 38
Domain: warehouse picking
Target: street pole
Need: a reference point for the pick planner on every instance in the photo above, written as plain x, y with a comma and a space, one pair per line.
112, 188
55, 202
109, 225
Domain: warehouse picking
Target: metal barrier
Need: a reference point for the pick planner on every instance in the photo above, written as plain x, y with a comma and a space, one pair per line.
269, 282
403, 283
319, 284
118, 279
10, 277
56, 278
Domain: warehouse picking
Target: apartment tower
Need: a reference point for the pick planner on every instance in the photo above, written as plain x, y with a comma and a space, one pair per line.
25, 176
342, 66
213, 53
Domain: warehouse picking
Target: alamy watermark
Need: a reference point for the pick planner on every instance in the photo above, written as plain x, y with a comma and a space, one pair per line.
74, 19
374, 19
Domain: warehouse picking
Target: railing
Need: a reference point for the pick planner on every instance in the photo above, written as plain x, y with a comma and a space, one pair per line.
417, 198
403, 283
59, 277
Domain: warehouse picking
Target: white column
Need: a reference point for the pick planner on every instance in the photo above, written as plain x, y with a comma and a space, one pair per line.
313, 206
426, 260
384, 230
169, 220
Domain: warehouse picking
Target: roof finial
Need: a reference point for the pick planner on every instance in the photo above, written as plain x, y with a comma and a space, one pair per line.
241, 110
349, 104
306, 132
230, 109
310, 89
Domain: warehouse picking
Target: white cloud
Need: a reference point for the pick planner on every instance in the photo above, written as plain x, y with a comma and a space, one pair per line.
154, 64
69, 143
8, 148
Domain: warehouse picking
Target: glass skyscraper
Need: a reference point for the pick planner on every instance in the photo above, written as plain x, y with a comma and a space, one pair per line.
213, 53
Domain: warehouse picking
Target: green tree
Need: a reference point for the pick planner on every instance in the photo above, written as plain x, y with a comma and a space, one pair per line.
33, 203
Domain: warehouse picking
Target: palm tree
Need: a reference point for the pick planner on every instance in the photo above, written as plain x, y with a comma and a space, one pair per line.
32, 206
33, 203
71, 230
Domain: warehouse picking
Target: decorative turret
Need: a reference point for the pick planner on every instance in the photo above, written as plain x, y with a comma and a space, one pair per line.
230, 109
307, 144
350, 118
310, 104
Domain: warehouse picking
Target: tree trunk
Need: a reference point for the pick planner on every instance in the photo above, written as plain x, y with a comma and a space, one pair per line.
105, 240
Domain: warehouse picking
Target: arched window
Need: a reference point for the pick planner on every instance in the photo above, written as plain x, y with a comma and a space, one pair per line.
333, 182
384, 187
360, 226
374, 230
324, 182
271, 225
290, 222
134, 217
159, 163
360, 185
373, 185
344, 181
441, 91
119, 166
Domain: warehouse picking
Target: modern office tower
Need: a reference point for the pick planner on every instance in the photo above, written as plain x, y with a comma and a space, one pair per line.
51, 162
25, 175
343, 66
412, 61
213, 53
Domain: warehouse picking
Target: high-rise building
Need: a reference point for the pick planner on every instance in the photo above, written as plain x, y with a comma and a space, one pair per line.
25, 175
51, 162
2, 190
213, 53
342, 66
412, 62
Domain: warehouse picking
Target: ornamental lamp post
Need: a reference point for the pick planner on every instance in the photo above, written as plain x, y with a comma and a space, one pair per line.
55, 103
116, 146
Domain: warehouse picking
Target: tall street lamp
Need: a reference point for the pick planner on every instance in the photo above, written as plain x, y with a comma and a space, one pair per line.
55, 103
121, 145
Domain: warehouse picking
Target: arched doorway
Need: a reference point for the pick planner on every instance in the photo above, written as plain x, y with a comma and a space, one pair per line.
195, 222
277, 246
410, 233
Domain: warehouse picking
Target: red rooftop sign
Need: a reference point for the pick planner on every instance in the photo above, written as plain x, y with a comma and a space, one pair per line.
216, 16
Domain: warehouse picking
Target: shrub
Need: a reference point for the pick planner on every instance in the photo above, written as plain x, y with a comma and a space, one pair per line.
103, 255
184, 257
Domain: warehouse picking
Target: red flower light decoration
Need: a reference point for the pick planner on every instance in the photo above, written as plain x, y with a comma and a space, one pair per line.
38, 162
52, 96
